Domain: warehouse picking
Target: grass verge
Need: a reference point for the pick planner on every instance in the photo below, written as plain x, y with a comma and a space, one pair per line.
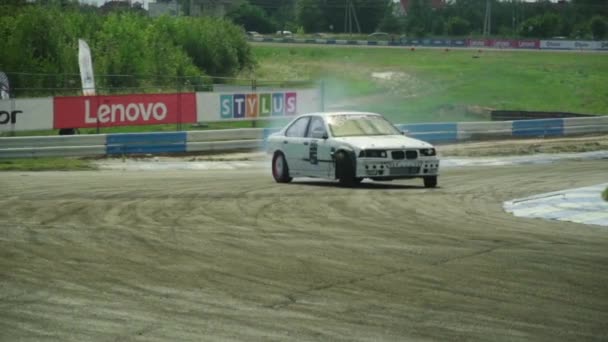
432, 85
46, 164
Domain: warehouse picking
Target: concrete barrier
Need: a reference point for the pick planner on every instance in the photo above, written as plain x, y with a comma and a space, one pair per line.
432, 132
254, 138
484, 130
136, 143
538, 128
589, 125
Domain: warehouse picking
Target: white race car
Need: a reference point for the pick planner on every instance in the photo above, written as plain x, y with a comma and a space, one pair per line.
349, 146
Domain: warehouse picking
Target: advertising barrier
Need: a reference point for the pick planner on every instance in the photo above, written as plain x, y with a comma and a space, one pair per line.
257, 105
478, 43
26, 114
570, 45
123, 110
503, 44
528, 44
458, 43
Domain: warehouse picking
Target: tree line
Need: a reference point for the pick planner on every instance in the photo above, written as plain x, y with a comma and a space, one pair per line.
579, 19
40, 48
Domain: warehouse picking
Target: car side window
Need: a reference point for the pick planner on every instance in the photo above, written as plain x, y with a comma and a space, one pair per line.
316, 123
298, 128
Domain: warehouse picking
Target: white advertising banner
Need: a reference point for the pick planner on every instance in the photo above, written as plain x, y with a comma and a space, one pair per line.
86, 68
570, 44
26, 114
275, 104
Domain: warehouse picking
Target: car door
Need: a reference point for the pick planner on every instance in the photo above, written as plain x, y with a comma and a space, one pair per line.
319, 161
295, 145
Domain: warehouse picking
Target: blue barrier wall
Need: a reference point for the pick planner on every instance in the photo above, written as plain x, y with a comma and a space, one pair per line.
129, 143
538, 128
432, 132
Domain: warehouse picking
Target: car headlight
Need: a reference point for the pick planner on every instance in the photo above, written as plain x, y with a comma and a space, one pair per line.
373, 154
428, 152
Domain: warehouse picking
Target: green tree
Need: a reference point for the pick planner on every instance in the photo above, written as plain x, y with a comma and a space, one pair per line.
252, 18
545, 26
598, 26
419, 18
390, 24
310, 15
457, 26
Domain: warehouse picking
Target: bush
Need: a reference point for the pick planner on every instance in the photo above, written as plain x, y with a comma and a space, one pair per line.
45, 40
605, 195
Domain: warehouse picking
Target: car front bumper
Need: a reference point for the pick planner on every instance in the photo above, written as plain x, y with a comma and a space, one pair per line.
394, 169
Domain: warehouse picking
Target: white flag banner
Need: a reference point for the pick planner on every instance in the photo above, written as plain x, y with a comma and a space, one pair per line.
4, 87
86, 68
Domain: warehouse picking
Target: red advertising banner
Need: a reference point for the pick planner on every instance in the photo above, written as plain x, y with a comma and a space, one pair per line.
528, 44
478, 42
503, 43
123, 110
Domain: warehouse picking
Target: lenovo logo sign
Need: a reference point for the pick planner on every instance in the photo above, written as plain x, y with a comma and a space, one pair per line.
124, 110
120, 113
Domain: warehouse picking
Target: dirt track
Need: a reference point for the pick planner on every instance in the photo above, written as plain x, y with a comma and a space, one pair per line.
230, 255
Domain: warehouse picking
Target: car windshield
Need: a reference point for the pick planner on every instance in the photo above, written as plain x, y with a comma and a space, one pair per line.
349, 125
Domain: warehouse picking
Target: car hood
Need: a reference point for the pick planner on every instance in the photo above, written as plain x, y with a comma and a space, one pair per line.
383, 142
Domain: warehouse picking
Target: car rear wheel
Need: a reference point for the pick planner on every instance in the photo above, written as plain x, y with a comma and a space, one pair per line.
345, 169
430, 181
280, 170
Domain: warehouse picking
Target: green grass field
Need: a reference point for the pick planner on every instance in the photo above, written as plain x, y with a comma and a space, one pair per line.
430, 85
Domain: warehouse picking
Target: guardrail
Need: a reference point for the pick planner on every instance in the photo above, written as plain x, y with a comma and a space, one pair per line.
254, 138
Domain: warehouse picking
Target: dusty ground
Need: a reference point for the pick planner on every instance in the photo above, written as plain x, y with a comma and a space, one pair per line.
231, 255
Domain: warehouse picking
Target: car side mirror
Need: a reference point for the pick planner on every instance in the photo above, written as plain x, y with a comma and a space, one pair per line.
319, 134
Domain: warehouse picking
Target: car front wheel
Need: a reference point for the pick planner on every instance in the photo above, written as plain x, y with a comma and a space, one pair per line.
345, 170
280, 170
430, 181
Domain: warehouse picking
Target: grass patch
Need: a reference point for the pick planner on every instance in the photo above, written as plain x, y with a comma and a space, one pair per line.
431, 85
45, 164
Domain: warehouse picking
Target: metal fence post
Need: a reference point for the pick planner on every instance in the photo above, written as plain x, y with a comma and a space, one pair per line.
254, 87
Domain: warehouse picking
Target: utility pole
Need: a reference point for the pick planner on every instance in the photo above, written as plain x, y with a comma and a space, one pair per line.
349, 15
487, 23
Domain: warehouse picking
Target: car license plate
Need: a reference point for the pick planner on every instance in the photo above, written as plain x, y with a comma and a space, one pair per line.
405, 165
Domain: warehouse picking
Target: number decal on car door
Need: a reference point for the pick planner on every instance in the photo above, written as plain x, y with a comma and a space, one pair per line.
312, 153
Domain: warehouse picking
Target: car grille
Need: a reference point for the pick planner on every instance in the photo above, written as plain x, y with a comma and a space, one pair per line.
409, 170
398, 154
404, 155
